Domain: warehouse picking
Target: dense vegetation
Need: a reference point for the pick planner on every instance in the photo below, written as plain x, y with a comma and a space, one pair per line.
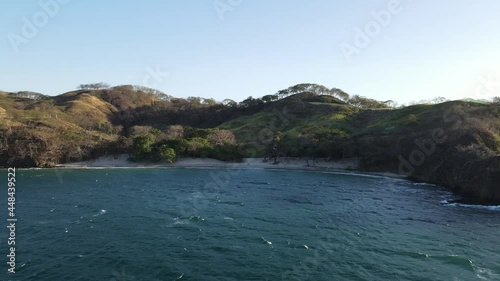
455, 144
150, 144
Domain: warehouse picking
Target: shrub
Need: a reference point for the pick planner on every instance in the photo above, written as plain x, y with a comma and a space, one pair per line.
412, 119
142, 148
167, 154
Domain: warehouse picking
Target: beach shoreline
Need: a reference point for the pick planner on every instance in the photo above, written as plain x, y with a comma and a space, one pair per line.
349, 166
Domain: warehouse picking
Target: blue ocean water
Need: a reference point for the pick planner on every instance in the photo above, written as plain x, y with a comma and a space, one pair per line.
193, 224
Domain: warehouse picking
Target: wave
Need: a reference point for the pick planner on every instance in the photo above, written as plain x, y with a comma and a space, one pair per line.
357, 174
446, 202
267, 241
185, 220
256, 182
484, 273
423, 184
101, 212
456, 260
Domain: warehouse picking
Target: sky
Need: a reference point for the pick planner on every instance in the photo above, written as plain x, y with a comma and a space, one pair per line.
399, 50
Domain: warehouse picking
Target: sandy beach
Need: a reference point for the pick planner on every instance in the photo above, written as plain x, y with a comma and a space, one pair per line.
120, 161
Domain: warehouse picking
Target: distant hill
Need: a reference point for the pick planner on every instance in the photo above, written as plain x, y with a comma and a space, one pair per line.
455, 144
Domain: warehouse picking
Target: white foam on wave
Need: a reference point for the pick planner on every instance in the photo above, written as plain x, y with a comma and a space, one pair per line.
267, 241
178, 221
101, 212
423, 254
484, 274
196, 218
423, 184
357, 174
483, 207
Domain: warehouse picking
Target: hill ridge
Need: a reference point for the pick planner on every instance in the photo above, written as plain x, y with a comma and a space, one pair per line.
305, 120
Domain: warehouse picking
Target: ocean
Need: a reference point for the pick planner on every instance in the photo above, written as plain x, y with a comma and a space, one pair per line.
212, 224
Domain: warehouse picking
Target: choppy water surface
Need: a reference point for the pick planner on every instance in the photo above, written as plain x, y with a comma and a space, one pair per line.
188, 224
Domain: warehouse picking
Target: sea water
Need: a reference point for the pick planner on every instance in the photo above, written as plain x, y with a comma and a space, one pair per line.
192, 224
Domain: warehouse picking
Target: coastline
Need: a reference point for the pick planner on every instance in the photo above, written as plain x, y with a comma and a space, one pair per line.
344, 167
349, 166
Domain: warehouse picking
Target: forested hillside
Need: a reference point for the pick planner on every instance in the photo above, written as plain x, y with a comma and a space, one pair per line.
455, 144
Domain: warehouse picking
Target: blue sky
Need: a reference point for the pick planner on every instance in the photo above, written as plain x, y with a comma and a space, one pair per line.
254, 47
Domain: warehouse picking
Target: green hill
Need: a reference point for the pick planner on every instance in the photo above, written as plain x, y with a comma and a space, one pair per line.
455, 144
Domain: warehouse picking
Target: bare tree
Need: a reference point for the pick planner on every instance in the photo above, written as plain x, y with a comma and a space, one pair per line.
175, 132
221, 137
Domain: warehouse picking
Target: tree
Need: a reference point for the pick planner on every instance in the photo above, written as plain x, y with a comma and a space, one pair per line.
391, 103
412, 119
250, 101
167, 154
281, 94
363, 102
148, 90
269, 98
156, 132
196, 146
31, 95
196, 101
220, 137
308, 146
307, 87
246, 102
180, 146
175, 132
142, 147
340, 94
209, 102
128, 88
496, 100
227, 152
229, 103
141, 130
438, 100
276, 146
